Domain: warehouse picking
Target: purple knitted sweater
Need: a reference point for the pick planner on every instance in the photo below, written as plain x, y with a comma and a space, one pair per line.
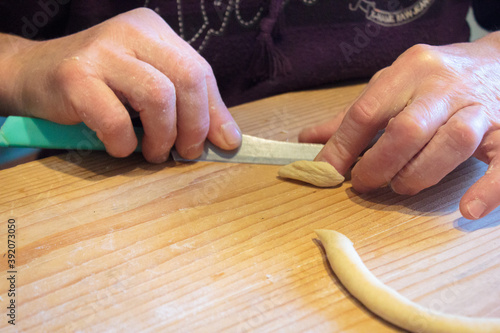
260, 48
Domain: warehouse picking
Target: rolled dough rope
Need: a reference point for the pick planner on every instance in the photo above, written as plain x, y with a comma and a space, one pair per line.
321, 174
386, 302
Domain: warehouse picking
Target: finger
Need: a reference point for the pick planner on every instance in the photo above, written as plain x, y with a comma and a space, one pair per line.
175, 58
193, 117
323, 132
386, 96
484, 196
189, 78
200, 109
453, 143
223, 131
151, 94
405, 135
99, 108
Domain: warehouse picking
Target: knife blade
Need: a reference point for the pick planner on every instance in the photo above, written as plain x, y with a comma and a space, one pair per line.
256, 150
40, 133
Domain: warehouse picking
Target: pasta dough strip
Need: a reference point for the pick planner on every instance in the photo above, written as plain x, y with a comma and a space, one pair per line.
386, 302
317, 173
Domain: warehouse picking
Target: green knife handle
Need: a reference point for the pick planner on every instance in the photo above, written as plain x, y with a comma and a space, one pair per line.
40, 133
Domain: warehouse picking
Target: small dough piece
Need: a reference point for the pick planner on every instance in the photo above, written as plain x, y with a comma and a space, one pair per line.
321, 174
386, 302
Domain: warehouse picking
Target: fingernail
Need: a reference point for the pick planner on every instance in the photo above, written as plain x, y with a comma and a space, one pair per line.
232, 134
476, 208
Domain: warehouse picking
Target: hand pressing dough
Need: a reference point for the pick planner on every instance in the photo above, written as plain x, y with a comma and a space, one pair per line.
321, 174
386, 302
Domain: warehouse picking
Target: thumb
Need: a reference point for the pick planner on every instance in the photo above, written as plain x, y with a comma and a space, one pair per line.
484, 195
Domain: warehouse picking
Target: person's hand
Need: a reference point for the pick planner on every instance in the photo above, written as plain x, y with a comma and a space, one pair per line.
438, 106
136, 59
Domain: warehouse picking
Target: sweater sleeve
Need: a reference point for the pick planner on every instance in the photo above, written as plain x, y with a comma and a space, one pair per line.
487, 13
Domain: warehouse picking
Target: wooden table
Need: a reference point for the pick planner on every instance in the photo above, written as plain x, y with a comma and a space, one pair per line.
120, 245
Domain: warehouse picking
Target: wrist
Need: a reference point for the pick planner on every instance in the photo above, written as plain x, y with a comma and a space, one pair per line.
11, 48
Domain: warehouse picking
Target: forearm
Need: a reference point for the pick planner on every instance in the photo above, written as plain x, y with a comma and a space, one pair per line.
11, 48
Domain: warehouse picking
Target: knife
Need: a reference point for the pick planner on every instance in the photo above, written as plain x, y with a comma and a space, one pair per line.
40, 133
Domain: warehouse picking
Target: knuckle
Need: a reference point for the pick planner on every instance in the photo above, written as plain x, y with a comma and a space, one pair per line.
461, 136
192, 132
207, 69
378, 74
127, 19
113, 126
199, 131
192, 74
132, 24
342, 146
410, 180
70, 71
364, 111
426, 55
144, 11
155, 91
161, 91
409, 127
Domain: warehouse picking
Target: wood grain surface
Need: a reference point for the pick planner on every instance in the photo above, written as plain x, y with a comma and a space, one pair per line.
120, 245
